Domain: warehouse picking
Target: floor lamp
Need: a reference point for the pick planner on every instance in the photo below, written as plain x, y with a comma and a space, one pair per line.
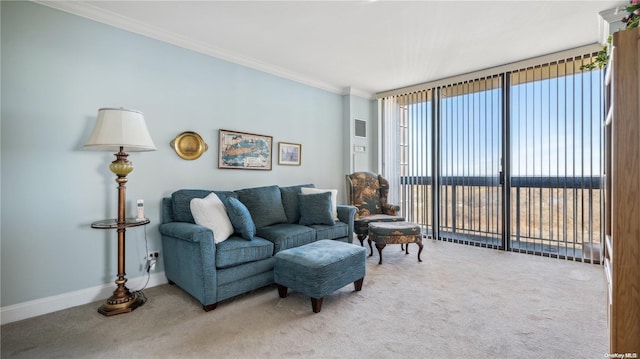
118, 129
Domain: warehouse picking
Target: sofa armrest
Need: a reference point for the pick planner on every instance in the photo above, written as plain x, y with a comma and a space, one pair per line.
189, 232
189, 253
346, 214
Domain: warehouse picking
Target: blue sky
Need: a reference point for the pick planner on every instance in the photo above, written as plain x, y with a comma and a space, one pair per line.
555, 129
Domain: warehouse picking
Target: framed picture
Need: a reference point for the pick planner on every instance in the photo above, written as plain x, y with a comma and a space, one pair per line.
240, 150
289, 153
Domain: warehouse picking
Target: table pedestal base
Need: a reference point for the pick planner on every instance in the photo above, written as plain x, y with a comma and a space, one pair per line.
122, 301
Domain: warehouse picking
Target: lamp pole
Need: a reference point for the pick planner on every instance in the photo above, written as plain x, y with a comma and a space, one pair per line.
122, 300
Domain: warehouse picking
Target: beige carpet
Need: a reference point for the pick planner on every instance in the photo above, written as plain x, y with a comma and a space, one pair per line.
461, 301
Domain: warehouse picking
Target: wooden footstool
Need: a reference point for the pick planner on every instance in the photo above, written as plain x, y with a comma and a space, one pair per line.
319, 268
384, 233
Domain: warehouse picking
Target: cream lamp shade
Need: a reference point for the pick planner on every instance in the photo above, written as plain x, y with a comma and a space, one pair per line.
119, 127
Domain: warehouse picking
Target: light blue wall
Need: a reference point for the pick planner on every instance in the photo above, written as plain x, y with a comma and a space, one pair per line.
57, 71
356, 107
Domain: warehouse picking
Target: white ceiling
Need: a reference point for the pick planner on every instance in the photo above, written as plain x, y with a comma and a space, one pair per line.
359, 47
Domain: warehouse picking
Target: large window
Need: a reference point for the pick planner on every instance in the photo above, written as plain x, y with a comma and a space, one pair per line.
511, 160
556, 150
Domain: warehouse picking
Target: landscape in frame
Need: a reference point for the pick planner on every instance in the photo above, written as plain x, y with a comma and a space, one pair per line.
240, 150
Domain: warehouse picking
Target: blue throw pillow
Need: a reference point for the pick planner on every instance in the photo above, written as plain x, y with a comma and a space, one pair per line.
240, 218
264, 204
290, 201
316, 208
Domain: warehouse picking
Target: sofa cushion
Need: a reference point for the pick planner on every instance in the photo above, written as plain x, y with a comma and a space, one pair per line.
181, 200
315, 208
290, 201
338, 230
285, 235
240, 218
236, 250
264, 204
334, 198
243, 277
210, 212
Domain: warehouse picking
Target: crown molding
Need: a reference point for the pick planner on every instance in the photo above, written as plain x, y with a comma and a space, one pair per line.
610, 21
356, 92
89, 11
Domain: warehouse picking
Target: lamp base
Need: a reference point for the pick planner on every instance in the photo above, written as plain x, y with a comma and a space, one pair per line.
120, 304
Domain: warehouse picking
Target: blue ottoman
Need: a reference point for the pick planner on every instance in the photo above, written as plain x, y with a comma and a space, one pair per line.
319, 268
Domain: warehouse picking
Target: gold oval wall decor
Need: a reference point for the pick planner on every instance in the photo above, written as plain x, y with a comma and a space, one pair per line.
189, 145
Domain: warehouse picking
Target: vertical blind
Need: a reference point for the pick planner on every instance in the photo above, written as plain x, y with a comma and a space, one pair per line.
446, 151
556, 146
470, 132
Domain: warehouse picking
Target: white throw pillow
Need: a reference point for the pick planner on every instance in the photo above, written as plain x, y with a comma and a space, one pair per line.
334, 197
211, 213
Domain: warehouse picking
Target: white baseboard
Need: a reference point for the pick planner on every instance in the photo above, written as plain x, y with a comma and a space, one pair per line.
34, 308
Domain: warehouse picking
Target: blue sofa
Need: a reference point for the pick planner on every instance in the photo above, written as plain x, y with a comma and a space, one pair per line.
213, 272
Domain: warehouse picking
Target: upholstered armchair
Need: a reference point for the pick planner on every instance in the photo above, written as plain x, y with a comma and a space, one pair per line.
368, 193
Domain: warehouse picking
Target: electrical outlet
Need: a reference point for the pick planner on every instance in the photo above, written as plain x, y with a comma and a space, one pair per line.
152, 259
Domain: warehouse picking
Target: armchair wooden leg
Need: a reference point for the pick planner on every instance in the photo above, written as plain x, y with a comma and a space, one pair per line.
361, 238
380, 247
404, 247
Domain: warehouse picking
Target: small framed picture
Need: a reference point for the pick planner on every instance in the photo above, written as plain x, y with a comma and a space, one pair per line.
289, 153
